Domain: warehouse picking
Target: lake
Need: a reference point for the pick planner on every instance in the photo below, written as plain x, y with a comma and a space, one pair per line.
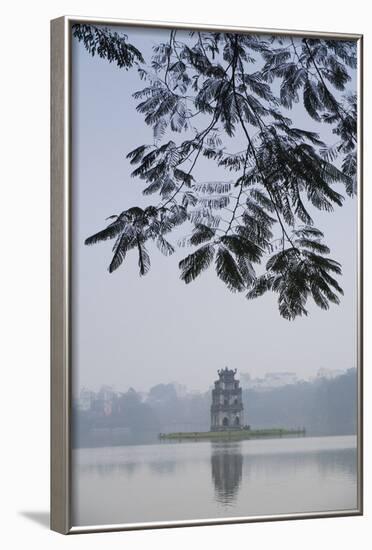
209, 480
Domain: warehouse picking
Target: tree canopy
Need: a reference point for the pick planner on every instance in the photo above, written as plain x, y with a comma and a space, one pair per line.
204, 91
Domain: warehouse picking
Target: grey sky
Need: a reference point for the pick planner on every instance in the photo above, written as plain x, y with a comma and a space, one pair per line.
132, 331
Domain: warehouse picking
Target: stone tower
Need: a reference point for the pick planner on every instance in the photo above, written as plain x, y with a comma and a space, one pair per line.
227, 405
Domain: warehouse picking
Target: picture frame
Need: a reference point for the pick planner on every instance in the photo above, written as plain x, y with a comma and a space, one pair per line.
62, 280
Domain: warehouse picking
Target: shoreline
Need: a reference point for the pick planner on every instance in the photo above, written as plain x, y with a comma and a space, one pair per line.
232, 434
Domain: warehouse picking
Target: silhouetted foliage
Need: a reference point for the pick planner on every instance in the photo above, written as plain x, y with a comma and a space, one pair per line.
215, 86
107, 44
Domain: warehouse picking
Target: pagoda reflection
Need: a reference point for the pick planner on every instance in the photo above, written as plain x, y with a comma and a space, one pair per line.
227, 467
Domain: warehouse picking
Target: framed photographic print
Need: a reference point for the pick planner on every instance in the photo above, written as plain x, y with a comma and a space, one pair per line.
206, 275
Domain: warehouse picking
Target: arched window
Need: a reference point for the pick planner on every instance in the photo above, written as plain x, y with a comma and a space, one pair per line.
237, 421
225, 421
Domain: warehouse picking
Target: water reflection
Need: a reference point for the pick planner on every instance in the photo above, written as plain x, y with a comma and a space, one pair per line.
326, 464
213, 479
231, 467
109, 469
163, 467
128, 468
228, 465
227, 468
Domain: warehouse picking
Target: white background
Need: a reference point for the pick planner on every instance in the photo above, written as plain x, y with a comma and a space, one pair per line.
24, 219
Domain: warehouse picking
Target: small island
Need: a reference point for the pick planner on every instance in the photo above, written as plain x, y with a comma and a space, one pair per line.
227, 415
243, 433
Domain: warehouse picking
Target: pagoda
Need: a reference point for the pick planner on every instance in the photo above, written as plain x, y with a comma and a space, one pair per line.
227, 404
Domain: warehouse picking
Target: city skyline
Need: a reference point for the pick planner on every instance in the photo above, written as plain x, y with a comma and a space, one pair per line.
247, 379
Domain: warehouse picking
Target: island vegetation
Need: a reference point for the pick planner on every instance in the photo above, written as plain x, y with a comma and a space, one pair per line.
244, 433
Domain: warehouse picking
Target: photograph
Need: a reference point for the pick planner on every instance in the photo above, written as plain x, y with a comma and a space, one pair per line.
214, 274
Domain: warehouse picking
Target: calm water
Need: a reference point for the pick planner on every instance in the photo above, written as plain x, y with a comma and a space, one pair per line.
201, 480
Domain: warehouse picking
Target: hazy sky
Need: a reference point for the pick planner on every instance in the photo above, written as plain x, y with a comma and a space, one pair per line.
132, 331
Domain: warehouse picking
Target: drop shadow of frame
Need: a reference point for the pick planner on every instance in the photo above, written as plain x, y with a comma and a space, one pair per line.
41, 518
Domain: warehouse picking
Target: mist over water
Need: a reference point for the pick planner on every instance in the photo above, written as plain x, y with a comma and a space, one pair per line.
207, 480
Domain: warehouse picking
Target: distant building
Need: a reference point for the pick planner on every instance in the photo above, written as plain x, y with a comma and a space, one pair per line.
85, 400
329, 374
246, 379
278, 379
227, 405
100, 403
106, 393
269, 381
181, 389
